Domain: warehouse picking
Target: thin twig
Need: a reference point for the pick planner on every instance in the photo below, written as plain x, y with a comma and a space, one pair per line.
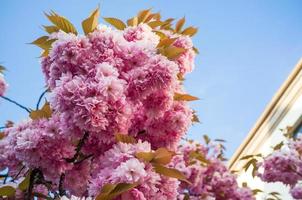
62, 192
32, 180
15, 177
78, 148
83, 159
40, 99
5, 179
16, 103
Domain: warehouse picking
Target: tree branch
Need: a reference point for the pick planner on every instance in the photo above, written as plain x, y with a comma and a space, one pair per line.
78, 148
62, 192
16, 103
40, 99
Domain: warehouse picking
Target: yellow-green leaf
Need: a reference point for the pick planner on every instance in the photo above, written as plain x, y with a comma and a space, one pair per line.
40, 41
195, 118
111, 191
2, 135
184, 97
190, 31
160, 34
156, 16
51, 29
155, 24
172, 52
25, 183
145, 156
44, 42
121, 188
44, 53
2, 69
132, 22
45, 112
61, 22
118, 24
7, 190
180, 24
166, 42
199, 156
167, 23
125, 138
180, 77
90, 24
162, 156
195, 50
170, 172
143, 15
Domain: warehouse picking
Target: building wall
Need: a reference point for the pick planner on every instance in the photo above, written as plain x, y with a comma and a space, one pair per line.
285, 110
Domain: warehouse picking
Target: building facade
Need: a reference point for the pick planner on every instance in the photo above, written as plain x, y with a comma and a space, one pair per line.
283, 114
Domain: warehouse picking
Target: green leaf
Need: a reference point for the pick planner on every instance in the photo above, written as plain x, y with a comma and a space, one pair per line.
51, 29
155, 24
7, 190
44, 112
249, 163
162, 156
256, 191
184, 97
111, 191
160, 34
2, 69
132, 22
206, 139
172, 52
195, 50
166, 42
180, 24
2, 135
145, 156
246, 157
90, 24
199, 156
170, 172
278, 146
43, 42
25, 183
190, 31
195, 118
143, 15
118, 24
61, 22
125, 138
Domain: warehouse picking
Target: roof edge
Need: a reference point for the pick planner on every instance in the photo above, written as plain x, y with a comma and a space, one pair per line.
267, 111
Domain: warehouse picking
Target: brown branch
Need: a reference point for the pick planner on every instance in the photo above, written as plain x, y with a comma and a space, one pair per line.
78, 148
62, 192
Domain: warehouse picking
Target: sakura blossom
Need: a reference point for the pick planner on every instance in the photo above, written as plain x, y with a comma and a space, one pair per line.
3, 85
111, 127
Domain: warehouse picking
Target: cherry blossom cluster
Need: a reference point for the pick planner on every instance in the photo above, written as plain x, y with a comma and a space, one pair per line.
115, 119
209, 177
285, 165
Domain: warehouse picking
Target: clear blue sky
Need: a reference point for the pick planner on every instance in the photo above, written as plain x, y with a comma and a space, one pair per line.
247, 49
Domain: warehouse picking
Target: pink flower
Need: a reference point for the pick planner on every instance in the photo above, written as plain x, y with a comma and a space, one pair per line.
3, 85
130, 171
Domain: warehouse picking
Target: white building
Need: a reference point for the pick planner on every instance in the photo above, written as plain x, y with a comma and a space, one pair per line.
284, 112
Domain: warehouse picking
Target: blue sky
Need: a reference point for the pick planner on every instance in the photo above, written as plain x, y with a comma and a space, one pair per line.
247, 49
